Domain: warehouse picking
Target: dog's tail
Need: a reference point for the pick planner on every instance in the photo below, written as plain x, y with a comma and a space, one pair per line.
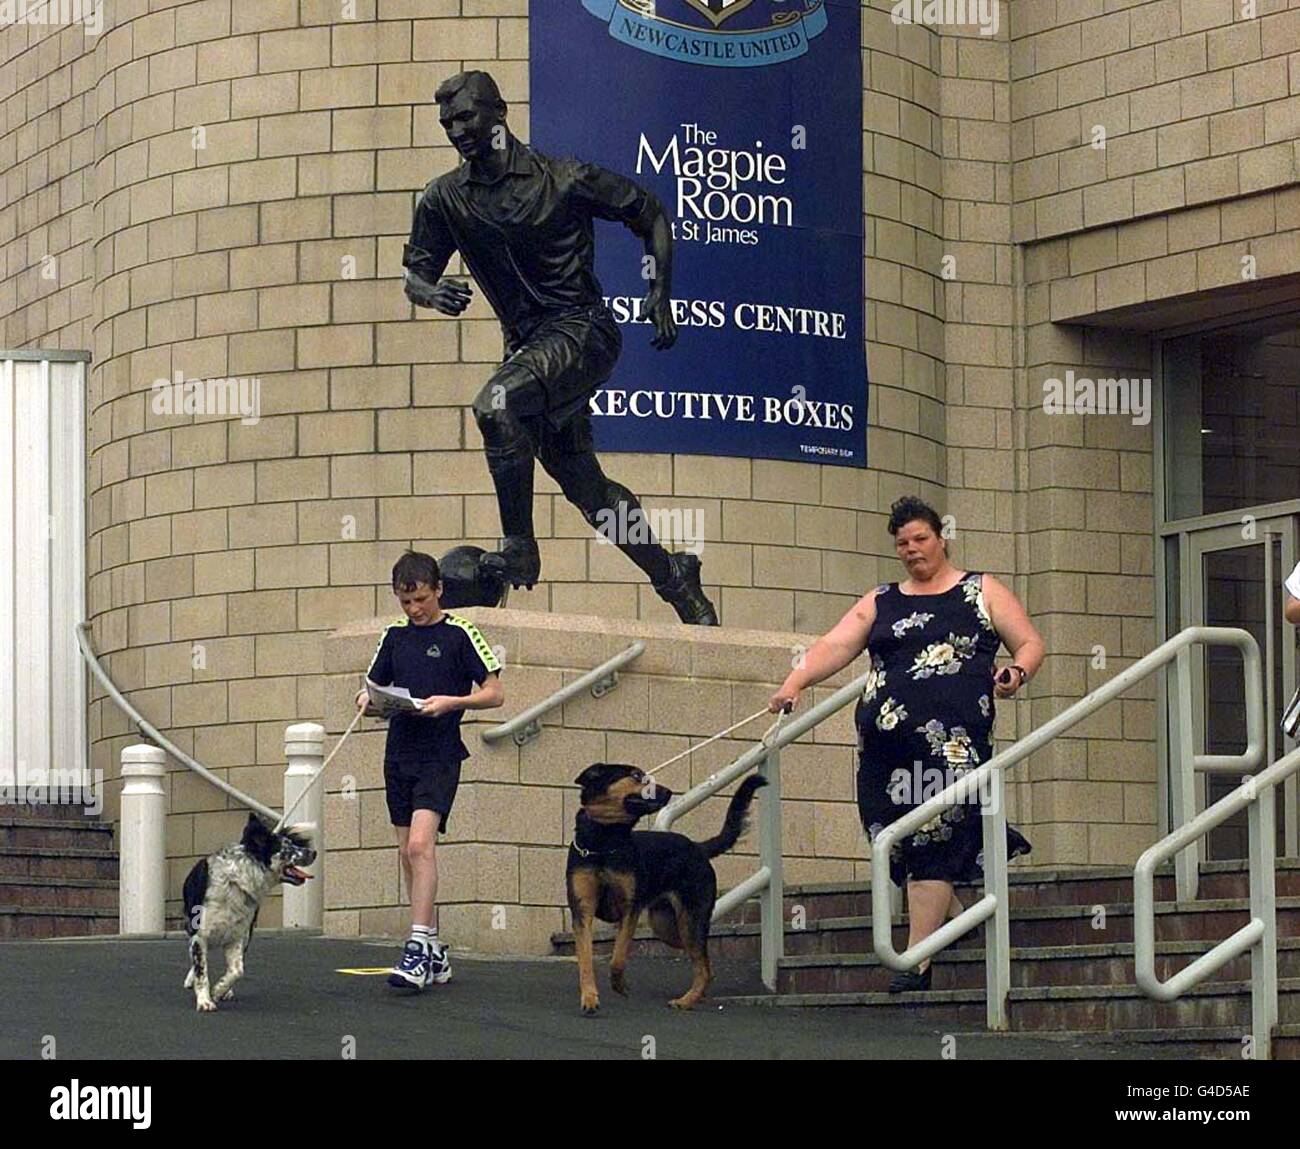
737, 819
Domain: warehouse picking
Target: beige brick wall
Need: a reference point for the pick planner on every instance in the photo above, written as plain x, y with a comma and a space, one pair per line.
999, 245
1195, 101
1089, 522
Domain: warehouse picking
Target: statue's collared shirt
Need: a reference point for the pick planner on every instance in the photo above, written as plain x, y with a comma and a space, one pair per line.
527, 236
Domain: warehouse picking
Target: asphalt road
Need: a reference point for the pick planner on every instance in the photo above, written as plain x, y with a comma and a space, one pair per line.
123, 1000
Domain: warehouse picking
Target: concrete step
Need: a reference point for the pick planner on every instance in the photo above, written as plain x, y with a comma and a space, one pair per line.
27, 922
22, 812
1218, 1043
1093, 885
1094, 965
1059, 1009
54, 832
1111, 1008
57, 862
47, 893
1066, 926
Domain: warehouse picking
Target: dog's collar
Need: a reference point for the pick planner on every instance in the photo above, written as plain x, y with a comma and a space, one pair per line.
584, 852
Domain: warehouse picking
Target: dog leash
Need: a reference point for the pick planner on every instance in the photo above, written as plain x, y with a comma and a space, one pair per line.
767, 735
319, 773
766, 740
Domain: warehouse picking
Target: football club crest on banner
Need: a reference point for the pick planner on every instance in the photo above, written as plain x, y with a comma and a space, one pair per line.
716, 33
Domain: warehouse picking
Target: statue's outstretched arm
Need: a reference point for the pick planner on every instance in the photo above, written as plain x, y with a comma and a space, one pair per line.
659, 263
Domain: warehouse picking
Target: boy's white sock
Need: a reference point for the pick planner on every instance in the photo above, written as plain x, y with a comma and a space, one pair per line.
423, 935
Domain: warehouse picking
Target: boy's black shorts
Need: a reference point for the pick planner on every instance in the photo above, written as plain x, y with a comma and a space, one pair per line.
420, 786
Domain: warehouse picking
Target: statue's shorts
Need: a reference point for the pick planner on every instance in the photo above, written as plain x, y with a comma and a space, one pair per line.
570, 356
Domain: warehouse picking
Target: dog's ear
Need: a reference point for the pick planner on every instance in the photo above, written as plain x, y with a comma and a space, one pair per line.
256, 830
591, 774
299, 833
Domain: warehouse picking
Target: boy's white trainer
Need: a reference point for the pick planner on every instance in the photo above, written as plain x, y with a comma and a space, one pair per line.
439, 964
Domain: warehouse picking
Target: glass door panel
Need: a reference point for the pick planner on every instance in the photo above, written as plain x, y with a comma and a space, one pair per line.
1230, 575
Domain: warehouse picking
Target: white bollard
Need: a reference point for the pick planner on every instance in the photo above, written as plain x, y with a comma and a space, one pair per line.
304, 749
142, 884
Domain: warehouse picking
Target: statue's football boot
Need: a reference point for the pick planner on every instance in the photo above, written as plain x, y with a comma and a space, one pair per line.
518, 562
682, 591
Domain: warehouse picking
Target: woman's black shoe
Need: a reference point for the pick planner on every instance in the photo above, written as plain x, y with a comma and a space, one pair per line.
910, 980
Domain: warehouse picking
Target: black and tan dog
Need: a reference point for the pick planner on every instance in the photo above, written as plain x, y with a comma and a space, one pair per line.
614, 873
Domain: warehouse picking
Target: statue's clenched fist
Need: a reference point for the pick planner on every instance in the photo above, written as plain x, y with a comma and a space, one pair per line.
449, 296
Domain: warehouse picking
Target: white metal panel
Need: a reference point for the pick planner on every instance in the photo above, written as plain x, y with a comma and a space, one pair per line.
8, 745
67, 677
77, 542
42, 561
32, 587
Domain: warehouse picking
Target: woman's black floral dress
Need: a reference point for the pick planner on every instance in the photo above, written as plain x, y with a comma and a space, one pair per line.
924, 720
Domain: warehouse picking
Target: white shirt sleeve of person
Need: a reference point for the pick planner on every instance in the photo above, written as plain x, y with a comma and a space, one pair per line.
1293, 582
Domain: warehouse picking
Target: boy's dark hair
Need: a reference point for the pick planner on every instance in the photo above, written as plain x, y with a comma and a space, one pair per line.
414, 568
908, 509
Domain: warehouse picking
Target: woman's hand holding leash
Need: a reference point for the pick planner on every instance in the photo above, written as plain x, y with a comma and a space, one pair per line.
1008, 680
784, 700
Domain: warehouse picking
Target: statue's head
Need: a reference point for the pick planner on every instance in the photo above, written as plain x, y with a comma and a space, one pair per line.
470, 109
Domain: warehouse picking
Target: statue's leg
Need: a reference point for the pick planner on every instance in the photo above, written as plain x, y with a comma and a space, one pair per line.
615, 512
570, 459
508, 403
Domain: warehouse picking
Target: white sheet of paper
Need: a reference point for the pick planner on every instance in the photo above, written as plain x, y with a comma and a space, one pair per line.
390, 700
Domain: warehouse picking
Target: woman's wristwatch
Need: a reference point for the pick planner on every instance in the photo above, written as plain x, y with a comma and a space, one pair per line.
1024, 675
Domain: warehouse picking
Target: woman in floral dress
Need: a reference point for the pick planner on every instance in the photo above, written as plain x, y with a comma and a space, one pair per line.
926, 715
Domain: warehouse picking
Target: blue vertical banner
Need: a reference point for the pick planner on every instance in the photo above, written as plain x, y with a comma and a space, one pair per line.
745, 118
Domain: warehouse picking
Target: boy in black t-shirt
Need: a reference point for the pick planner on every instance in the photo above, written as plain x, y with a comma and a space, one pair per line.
440, 658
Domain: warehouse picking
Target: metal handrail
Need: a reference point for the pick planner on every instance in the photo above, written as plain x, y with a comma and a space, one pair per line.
989, 777
767, 880
1259, 935
527, 724
147, 729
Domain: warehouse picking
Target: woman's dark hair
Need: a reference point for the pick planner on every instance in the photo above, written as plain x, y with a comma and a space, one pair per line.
908, 509
414, 568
